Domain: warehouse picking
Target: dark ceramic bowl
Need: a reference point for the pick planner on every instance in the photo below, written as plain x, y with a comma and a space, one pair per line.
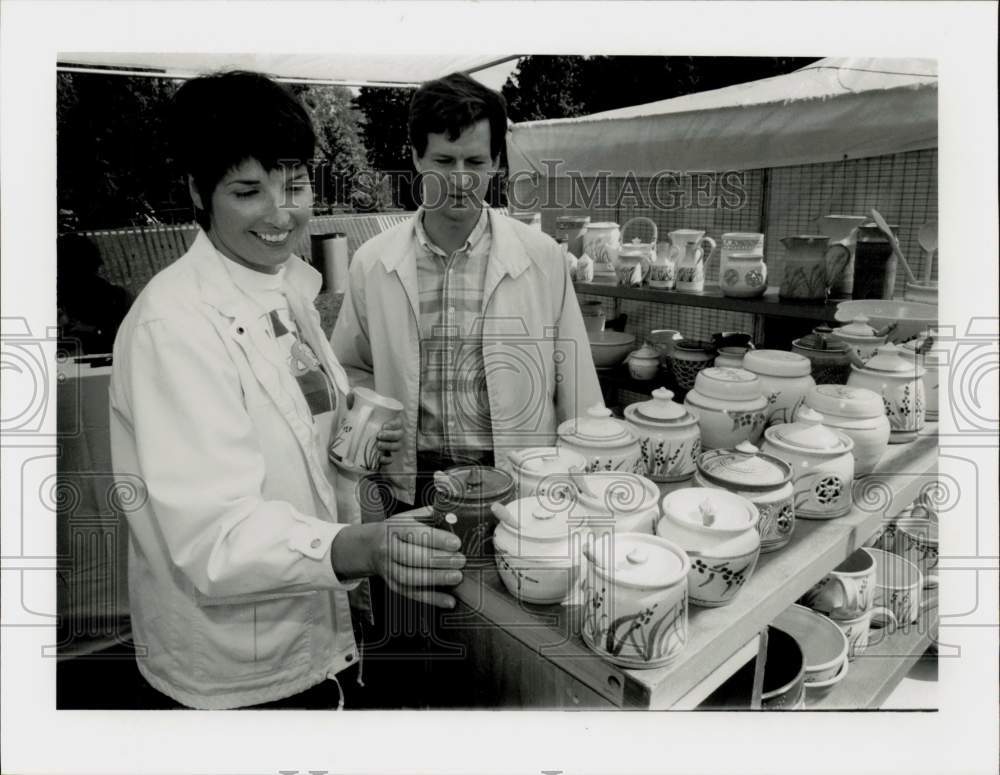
784, 678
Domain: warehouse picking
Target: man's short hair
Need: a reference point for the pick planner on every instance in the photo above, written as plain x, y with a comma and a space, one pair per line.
452, 104
219, 121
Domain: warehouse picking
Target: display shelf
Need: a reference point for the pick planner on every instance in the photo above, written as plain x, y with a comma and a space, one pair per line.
549, 635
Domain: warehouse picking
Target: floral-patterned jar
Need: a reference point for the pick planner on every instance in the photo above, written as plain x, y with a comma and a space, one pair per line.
635, 600
729, 406
669, 437
607, 444
537, 470
861, 336
742, 275
764, 480
858, 413
718, 530
926, 354
785, 379
630, 502
823, 462
644, 363
900, 382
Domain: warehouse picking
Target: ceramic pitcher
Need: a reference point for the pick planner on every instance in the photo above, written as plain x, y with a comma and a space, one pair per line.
842, 230
689, 252
811, 264
355, 445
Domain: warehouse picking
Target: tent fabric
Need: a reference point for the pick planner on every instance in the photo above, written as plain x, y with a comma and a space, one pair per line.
830, 110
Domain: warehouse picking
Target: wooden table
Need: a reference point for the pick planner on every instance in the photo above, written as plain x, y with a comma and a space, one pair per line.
533, 656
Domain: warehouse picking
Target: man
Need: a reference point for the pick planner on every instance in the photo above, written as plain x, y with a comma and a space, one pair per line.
465, 316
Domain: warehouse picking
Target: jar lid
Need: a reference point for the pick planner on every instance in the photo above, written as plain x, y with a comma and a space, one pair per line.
693, 345
602, 225
746, 256
477, 484
646, 351
809, 434
576, 220
777, 363
822, 341
639, 560
857, 327
744, 467
845, 401
888, 361
547, 461
536, 519
709, 508
617, 492
728, 383
662, 410
597, 428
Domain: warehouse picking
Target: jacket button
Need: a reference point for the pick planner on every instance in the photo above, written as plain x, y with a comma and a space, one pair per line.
315, 543
240, 330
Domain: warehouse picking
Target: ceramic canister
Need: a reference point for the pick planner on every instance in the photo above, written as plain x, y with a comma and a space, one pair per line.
901, 384
601, 241
785, 379
635, 600
823, 463
469, 493
764, 480
718, 530
743, 275
861, 336
669, 437
729, 406
731, 357
644, 363
829, 358
606, 443
537, 470
628, 502
930, 358
689, 356
859, 414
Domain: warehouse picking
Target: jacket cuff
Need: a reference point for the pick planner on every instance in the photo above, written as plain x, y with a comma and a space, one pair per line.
313, 538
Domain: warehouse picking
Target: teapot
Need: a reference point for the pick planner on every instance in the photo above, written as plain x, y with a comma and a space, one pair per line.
811, 266
635, 258
688, 251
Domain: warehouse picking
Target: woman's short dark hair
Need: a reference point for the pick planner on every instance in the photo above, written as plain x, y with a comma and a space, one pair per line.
451, 105
219, 121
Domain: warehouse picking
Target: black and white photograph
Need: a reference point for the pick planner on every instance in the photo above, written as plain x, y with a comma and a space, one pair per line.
500, 387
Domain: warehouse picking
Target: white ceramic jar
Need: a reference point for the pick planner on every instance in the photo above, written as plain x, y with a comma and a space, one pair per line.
742, 275
669, 437
764, 480
631, 502
606, 443
601, 241
859, 414
729, 406
861, 336
537, 470
635, 600
730, 357
901, 385
644, 363
930, 360
718, 530
785, 379
823, 461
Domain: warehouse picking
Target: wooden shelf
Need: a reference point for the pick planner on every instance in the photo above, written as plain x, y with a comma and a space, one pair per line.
551, 633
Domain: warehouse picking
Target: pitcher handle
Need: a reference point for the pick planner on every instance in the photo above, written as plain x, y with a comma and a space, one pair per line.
363, 417
711, 248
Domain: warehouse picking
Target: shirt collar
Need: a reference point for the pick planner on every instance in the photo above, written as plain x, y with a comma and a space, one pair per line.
425, 241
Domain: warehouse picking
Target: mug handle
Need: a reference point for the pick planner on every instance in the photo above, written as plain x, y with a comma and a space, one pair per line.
850, 594
363, 417
893, 622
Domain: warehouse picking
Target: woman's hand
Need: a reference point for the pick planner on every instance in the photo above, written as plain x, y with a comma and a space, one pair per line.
415, 560
390, 440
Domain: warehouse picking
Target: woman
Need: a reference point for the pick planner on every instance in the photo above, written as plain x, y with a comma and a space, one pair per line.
244, 544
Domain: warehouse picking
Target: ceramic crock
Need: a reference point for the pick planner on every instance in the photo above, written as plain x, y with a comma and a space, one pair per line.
644, 363
901, 384
785, 379
601, 241
764, 480
729, 406
690, 356
718, 530
823, 461
635, 600
607, 444
742, 275
630, 501
731, 357
469, 493
929, 356
669, 437
537, 549
830, 359
859, 414
861, 336
537, 470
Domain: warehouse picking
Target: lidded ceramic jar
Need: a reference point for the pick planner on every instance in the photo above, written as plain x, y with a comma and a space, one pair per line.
830, 358
785, 379
469, 493
861, 336
629, 501
669, 437
689, 357
607, 444
764, 480
729, 406
718, 530
742, 275
644, 363
537, 470
900, 382
635, 600
731, 357
859, 414
931, 358
823, 462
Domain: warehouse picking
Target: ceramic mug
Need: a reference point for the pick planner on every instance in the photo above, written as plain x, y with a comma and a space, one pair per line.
858, 630
355, 445
848, 590
898, 586
916, 540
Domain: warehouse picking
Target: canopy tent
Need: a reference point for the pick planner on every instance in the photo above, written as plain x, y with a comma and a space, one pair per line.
830, 110
338, 69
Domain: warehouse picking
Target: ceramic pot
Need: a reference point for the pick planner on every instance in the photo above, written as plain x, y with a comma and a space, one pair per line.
606, 443
635, 600
669, 438
823, 643
848, 590
857, 413
830, 359
601, 242
901, 385
718, 530
861, 336
783, 686
572, 228
730, 357
729, 406
644, 363
930, 357
688, 358
916, 540
742, 275
785, 379
469, 493
539, 470
823, 462
593, 315
763, 480
898, 587
629, 501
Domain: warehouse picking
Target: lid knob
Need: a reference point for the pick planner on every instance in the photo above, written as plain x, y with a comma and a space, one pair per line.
747, 448
663, 394
637, 556
599, 411
862, 319
707, 510
542, 515
809, 416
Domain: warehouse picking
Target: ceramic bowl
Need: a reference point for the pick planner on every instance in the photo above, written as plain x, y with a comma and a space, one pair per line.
912, 317
784, 678
822, 641
925, 292
610, 348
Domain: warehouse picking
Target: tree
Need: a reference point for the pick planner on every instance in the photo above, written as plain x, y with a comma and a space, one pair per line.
386, 136
546, 87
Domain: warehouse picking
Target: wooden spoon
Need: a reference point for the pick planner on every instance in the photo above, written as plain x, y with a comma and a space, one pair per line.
928, 239
877, 217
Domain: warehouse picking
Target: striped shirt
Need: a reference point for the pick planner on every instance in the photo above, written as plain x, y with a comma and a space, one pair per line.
454, 404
